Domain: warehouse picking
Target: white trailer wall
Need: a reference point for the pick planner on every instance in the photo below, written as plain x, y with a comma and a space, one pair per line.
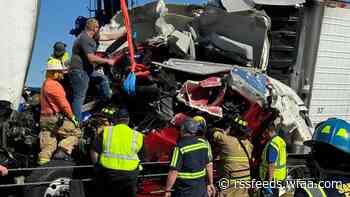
17, 33
331, 84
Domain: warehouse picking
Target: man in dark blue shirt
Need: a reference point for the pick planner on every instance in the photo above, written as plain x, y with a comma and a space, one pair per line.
190, 168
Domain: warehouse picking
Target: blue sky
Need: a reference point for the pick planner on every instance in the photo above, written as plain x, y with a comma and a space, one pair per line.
55, 21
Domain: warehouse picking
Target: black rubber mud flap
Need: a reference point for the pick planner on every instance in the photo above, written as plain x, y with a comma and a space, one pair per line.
45, 176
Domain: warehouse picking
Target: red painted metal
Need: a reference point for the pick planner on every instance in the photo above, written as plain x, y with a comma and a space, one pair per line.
159, 144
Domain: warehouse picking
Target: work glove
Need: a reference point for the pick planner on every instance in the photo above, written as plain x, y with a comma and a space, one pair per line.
75, 121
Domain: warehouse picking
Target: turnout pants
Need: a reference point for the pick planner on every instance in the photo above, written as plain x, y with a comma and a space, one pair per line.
234, 192
53, 135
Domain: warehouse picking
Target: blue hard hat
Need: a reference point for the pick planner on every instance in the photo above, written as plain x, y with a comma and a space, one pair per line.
335, 132
190, 126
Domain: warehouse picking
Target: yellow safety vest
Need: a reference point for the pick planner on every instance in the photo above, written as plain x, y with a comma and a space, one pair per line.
62, 60
120, 147
280, 171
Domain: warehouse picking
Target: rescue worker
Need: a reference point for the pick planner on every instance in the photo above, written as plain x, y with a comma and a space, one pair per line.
117, 153
273, 161
60, 53
202, 131
57, 121
83, 70
330, 160
235, 154
190, 169
202, 134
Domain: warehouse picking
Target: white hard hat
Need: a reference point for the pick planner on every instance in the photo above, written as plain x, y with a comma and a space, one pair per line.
55, 64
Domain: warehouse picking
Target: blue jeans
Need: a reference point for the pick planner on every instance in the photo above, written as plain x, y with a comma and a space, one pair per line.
79, 82
103, 84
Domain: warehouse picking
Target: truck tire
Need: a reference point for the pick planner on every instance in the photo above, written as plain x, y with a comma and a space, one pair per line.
59, 178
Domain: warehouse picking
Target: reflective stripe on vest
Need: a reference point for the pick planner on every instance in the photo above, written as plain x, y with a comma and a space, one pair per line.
242, 178
315, 191
280, 171
210, 152
187, 149
122, 156
238, 159
193, 147
235, 162
192, 175
175, 156
131, 156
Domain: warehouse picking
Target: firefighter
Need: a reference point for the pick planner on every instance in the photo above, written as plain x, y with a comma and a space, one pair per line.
330, 160
274, 159
117, 153
190, 169
60, 53
57, 121
235, 153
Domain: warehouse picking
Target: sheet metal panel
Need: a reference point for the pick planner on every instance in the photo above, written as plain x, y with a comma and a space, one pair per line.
331, 87
280, 2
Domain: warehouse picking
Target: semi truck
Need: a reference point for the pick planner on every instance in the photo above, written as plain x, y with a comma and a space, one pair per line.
309, 52
306, 44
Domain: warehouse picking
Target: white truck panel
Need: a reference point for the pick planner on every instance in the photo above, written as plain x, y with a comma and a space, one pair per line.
331, 85
17, 33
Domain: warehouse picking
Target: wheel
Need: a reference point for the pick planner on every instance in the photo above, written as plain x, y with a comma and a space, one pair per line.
59, 178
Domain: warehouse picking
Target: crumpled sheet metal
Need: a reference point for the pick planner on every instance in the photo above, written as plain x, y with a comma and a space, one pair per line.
231, 45
252, 85
255, 87
279, 2
290, 106
251, 30
196, 67
181, 26
152, 20
242, 5
195, 96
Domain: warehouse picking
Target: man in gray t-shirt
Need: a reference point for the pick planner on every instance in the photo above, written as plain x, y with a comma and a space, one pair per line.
83, 46
82, 67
